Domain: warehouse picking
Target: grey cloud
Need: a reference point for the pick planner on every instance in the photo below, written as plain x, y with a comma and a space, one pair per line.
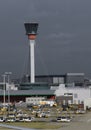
61, 35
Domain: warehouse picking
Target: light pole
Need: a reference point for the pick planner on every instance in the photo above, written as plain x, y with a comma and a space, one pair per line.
4, 87
8, 78
90, 91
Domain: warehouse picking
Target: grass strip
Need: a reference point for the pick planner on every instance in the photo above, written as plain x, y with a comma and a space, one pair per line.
37, 125
3, 128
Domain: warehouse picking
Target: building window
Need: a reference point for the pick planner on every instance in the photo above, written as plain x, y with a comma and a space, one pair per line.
75, 95
78, 101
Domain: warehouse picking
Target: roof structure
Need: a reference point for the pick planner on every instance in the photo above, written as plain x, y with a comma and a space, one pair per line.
28, 92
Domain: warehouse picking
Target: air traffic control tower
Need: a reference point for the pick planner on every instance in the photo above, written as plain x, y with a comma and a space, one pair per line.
31, 32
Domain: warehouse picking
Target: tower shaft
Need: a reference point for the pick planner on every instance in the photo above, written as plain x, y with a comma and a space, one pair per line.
32, 61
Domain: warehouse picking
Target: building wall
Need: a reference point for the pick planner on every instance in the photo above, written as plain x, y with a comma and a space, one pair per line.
44, 79
87, 103
18, 98
58, 80
50, 79
76, 78
7, 86
79, 94
64, 100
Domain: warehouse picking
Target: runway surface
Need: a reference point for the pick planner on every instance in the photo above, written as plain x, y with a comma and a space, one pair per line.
81, 122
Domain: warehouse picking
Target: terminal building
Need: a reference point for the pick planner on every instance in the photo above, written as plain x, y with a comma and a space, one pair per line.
70, 79
41, 89
47, 79
22, 95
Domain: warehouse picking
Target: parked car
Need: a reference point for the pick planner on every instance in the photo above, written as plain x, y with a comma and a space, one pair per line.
80, 112
2, 119
10, 120
43, 114
27, 119
11, 115
63, 119
24, 119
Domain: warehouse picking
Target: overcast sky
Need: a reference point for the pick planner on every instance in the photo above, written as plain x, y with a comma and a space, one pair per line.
63, 43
